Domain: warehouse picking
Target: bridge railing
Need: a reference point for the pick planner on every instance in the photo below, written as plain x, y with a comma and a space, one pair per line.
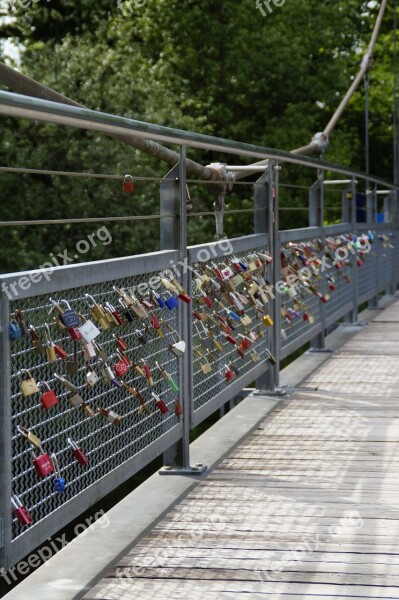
232, 332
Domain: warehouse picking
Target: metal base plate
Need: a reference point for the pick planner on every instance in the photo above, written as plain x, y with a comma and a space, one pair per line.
321, 350
198, 469
278, 391
356, 324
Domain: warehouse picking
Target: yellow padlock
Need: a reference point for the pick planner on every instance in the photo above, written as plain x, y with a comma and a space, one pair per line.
28, 386
267, 320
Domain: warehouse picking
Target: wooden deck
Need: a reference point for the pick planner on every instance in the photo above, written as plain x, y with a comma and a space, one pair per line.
306, 507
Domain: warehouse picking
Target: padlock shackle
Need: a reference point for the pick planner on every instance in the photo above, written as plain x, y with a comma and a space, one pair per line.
70, 386
73, 444
89, 299
45, 384
56, 306
25, 371
66, 303
56, 465
128, 177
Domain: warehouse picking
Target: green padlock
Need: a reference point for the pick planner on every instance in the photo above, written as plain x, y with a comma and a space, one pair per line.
171, 382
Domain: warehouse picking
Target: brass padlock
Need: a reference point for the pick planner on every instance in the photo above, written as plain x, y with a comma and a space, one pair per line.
28, 386
267, 321
30, 437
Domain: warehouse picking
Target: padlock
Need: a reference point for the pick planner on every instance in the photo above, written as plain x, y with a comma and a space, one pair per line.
230, 339
284, 336
14, 330
246, 343
69, 386
254, 356
69, 317
121, 367
72, 366
50, 346
60, 352
30, 437
160, 404
21, 512
116, 315
42, 463
49, 397
178, 408
217, 344
58, 481
232, 314
110, 415
292, 293
91, 376
109, 317
75, 400
206, 368
246, 320
74, 334
147, 374
78, 453
171, 382
178, 348
134, 392
207, 299
97, 312
136, 306
171, 302
21, 322
229, 373
88, 330
100, 351
267, 321
155, 322
28, 386
89, 351
159, 299
240, 352
128, 184
37, 344
127, 312
270, 357
120, 342
142, 340
107, 373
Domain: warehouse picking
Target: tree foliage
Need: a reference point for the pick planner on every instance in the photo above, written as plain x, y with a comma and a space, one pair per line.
213, 66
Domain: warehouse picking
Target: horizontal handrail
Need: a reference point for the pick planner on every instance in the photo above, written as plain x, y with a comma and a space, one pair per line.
15, 105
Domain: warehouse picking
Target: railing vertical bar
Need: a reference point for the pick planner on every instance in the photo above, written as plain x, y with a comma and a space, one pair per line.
5, 436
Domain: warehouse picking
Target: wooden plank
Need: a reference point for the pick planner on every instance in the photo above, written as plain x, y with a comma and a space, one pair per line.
320, 477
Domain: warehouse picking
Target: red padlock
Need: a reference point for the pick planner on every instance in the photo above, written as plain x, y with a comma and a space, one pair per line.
331, 287
49, 397
230, 339
305, 316
60, 352
246, 342
240, 352
197, 315
359, 262
229, 374
43, 464
155, 322
78, 453
160, 404
128, 184
207, 300
120, 342
21, 512
184, 297
74, 333
121, 368
178, 408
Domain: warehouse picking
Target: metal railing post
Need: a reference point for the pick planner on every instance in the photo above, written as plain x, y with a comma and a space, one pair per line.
349, 211
316, 219
5, 435
173, 194
262, 219
371, 220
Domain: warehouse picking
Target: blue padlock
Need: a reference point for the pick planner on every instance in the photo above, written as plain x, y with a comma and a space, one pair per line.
58, 482
232, 314
15, 332
161, 301
172, 302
